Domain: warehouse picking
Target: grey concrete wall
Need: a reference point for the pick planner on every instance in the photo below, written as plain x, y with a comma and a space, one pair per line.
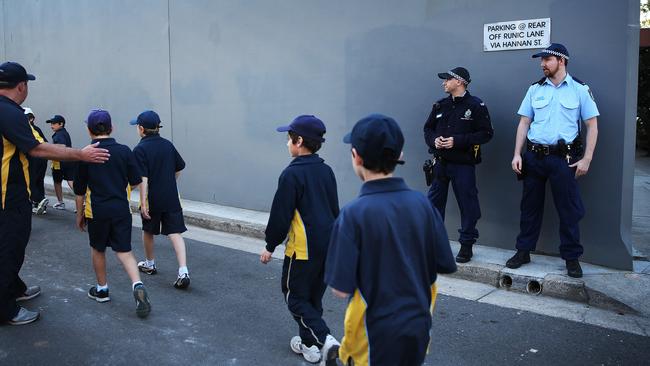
224, 74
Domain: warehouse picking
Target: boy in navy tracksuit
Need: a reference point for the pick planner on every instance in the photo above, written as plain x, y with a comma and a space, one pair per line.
37, 170
386, 248
160, 205
61, 170
103, 206
304, 208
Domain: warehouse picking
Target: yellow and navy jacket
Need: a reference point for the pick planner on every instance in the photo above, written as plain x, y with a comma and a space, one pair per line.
61, 137
467, 120
304, 208
104, 185
386, 249
159, 161
17, 140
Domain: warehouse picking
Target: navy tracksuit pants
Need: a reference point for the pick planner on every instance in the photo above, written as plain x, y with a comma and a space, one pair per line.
463, 182
15, 227
303, 288
566, 196
37, 170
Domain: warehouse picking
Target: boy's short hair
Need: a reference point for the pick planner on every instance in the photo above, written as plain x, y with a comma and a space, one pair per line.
378, 139
310, 144
151, 131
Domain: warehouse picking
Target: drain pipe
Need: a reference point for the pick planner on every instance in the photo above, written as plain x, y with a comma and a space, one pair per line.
505, 281
534, 287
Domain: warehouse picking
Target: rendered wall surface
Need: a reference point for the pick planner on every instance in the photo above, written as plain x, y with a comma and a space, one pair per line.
224, 74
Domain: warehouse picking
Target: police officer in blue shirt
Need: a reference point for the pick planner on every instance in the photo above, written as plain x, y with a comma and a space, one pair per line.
550, 132
455, 130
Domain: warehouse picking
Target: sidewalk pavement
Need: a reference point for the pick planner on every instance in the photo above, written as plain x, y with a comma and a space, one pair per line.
620, 291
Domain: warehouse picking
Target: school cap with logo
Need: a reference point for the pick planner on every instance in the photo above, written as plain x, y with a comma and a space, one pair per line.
555, 49
374, 134
147, 119
99, 117
13, 72
56, 119
307, 126
459, 73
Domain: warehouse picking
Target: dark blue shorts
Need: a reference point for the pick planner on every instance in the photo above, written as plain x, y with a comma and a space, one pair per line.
65, 173
114, 232
165, 223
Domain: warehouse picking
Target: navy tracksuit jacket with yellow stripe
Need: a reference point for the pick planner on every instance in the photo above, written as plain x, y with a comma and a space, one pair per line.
303, 211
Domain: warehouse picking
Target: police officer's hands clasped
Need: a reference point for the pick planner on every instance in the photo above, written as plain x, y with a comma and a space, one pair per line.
444, 142
582, 166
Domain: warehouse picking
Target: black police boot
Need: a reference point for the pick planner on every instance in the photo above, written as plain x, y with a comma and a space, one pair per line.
464, 254
573, 268
521, 257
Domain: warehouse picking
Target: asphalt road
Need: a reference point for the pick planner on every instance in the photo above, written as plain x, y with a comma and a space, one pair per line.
234, 314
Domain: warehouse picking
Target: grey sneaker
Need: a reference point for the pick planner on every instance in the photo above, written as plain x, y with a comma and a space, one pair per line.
142, 305
30, 293
24, 316
59, 206
183, 281
144, 268
42, 206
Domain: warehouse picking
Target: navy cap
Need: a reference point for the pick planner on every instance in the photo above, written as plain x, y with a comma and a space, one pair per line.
458, 73
56, 119
147, 119
13, 72
375, 133
99, 117
307, 126
555, 49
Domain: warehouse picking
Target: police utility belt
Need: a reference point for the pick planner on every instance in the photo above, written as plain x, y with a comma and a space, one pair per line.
562, 149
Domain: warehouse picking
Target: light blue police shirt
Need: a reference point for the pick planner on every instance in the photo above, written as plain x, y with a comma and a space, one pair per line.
556, 111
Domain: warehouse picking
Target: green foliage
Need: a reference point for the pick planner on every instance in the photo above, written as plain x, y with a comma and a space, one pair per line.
645, 10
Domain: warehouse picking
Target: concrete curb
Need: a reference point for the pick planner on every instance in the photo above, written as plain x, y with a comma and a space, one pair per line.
499, 276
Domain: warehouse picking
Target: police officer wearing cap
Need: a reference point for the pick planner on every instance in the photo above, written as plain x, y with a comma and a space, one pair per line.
17, 140
455, 130
549, 134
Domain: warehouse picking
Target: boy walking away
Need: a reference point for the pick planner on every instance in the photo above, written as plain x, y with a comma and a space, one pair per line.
386, 248
160, 205
103, 206
304, 208
61, 170
37, 169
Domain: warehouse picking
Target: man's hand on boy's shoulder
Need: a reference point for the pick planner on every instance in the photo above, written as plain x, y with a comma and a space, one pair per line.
92, 154
266, 256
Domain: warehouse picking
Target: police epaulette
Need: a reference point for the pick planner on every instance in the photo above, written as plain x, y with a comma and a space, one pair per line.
578, 81
540, 81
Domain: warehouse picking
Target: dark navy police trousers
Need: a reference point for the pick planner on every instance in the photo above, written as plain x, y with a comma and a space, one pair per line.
463, 182
566, 196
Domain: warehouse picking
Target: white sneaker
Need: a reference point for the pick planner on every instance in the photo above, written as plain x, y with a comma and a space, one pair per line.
330, 351
59, 206
310, 354
42, 206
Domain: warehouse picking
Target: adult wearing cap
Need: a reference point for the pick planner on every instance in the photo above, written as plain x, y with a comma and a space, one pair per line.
549, 133
61, 170
15, 214
37, 169
455, 130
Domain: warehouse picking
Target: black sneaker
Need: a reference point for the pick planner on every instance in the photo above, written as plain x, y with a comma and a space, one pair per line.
573, 268
183, 281
99, 296
464, 254
142, 305
521, 257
